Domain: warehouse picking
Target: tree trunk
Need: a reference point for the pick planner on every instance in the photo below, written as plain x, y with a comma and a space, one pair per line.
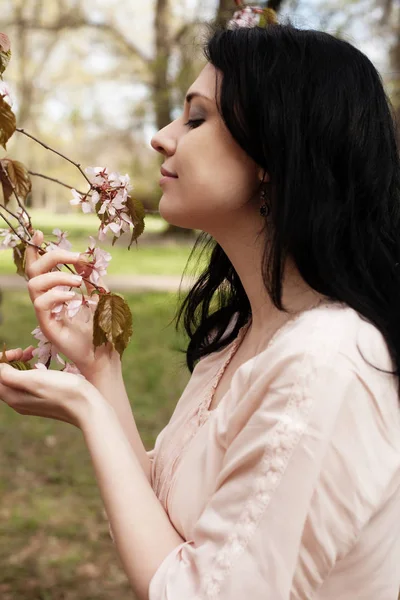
224, 12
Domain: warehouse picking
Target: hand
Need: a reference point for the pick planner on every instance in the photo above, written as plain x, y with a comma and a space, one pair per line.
19, 354
73, 337
51, 394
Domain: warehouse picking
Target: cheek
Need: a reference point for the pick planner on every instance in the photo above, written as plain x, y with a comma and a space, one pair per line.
214, 173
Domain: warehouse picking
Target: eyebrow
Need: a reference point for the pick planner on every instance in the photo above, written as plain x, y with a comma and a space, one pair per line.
194, 94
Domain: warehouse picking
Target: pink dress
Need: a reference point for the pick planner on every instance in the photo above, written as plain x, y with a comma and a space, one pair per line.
290, 488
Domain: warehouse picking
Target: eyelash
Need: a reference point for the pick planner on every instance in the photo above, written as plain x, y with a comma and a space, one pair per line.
191, 123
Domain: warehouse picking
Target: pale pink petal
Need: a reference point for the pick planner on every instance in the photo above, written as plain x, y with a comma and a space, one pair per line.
115, 228
87, 207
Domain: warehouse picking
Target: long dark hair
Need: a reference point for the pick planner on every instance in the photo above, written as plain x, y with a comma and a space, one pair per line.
312, 111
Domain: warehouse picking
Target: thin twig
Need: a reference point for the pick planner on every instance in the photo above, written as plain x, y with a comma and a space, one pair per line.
42, 251
14, 230
3, 206
78, 166
70, 187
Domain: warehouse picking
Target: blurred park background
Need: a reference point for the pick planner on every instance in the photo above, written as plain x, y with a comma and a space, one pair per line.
95, 79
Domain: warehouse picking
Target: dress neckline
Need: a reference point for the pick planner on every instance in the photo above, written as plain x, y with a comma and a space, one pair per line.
204, 412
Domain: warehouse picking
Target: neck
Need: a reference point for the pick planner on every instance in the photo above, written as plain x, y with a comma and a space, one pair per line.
245, 251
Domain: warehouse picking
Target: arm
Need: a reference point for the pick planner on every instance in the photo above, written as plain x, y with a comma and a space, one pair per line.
143, 533
109, 382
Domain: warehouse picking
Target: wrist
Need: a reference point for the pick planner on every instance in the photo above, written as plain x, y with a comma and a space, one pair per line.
103, 369
95, 407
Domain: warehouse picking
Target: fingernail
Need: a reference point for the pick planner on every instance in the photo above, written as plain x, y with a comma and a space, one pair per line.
76, 278
76, 254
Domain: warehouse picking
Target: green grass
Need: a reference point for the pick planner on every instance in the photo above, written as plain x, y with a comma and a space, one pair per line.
79, 223
55, 542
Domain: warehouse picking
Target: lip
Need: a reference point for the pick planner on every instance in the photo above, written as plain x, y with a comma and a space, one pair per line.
166, 178
167, 173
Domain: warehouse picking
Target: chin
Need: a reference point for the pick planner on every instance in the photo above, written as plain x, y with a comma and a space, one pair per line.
174, 217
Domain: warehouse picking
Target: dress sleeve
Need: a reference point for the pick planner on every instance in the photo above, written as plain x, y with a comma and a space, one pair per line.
299, 479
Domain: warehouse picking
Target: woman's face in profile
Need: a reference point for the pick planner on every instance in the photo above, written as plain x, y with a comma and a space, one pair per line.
214, 176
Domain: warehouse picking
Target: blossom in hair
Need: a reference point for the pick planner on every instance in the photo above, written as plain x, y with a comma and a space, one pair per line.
246, 17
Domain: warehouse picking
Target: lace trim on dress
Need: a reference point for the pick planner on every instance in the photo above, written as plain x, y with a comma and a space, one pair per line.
280, 444
200, 414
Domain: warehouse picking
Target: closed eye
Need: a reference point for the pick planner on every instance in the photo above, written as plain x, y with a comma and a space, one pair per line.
193, 123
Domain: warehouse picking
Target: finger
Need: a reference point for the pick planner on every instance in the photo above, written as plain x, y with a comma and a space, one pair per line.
42, 283
27, 354
31, 253
50, 299
11, 378
48, 261
14, 354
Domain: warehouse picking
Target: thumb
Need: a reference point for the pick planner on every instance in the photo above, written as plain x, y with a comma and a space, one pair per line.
31, 253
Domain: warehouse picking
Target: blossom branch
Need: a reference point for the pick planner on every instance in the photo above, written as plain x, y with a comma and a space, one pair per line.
84, 194
77, 165
70, 187
3, 207
14, 230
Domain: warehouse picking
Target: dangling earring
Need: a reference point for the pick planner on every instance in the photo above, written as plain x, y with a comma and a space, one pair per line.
265, 208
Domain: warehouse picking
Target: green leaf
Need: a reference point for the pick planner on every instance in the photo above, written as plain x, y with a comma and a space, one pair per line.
7, 122
112, 322
5, 53
16, 176
20, 365
137, 213
19, 255
269, 17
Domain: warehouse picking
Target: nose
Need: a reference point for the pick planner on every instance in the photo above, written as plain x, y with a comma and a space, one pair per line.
164, 141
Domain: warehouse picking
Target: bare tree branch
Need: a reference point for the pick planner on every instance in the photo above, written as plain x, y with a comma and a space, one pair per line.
75, 20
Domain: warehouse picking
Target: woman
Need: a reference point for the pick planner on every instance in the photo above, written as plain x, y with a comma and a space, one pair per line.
278, 475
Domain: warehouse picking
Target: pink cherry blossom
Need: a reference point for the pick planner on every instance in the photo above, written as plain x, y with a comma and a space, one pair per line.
97, 175
11, 239
62, 241
45, 351
99, 261
39, 365
245, 17
6, 93
84, 201
81, 305
70, 308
